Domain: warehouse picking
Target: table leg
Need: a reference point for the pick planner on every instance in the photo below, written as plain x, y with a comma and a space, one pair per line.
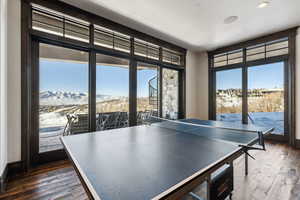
246, 164
208, 187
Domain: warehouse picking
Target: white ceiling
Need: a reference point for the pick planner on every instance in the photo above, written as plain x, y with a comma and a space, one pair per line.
198, 24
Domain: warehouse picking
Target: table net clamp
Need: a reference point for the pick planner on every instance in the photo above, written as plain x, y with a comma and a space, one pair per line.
261, 147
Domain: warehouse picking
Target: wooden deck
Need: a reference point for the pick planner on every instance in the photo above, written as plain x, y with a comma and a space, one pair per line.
50, 141
274, 175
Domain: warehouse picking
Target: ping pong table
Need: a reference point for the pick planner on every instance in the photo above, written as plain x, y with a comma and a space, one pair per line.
162, 160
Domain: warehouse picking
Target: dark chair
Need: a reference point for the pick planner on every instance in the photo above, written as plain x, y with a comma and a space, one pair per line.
70, 119
123, 120
139, 118
101, 119
77, 123
111, 122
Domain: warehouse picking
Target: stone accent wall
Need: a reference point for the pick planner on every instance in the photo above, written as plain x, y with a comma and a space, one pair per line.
170, 94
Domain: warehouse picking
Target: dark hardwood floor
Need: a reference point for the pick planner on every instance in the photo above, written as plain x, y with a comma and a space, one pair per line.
274, 175
52, 181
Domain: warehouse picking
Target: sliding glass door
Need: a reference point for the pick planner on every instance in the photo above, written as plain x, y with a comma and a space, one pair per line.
62, 95
266, 102
253, 94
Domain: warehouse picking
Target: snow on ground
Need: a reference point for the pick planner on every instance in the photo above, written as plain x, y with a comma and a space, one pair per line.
265, 119
51, 128
52, 119
56, 98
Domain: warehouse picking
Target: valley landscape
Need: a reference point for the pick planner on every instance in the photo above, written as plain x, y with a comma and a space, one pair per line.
265, 107
55, 105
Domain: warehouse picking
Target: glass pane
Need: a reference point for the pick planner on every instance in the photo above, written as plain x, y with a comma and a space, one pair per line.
111, 39
170, 91
256, 57
235, 61
266, 96
220, 58
220, 64
256, 50
76, 31
229, 95
56, 23
112, 92
63, 108
122, 44
146, 49
278, 45
103, 39
47, 23
171, 56
238, 54
277, 52
255, 53
147, 91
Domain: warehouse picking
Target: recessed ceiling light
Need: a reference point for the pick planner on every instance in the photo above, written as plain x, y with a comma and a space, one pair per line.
263, 4
230, 19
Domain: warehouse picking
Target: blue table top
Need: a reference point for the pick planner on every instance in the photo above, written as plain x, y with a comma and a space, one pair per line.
144, 162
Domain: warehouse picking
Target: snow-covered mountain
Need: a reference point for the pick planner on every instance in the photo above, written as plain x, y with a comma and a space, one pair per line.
68, 98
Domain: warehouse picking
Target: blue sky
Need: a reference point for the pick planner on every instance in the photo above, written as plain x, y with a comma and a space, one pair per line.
263, 76
63, 76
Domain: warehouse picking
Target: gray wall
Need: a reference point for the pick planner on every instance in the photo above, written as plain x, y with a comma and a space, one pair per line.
3, 85
14, 80
197, 85
298, 85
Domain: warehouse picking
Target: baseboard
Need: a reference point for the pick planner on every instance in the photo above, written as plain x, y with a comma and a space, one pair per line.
297, 144
3, 180
10, 170
277, 138
14, 168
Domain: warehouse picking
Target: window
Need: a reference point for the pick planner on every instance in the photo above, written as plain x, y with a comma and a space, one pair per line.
52, 22
147, 91
268, 50
170, 56
259, 51
146, 49
228, 58
111, 39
